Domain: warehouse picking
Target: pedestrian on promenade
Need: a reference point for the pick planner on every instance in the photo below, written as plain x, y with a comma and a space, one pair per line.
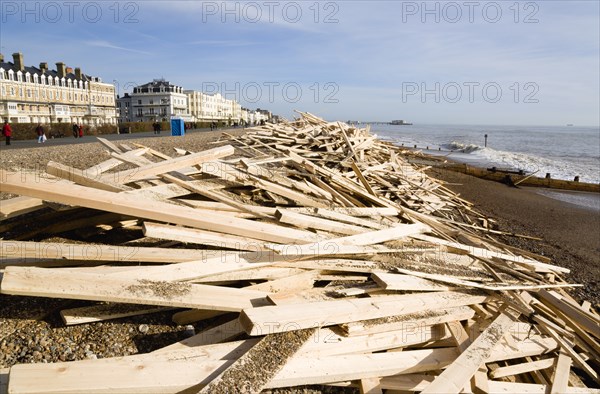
39, 130
80, 131
75, 130
7, 132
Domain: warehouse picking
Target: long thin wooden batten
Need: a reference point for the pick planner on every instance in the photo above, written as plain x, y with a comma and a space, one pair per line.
43, 282
130, 205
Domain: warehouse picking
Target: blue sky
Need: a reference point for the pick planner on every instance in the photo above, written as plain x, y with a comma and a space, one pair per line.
503, 62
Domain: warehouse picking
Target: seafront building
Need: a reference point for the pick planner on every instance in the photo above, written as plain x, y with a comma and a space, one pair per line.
153, 101
160, 100
204, 107
31, 94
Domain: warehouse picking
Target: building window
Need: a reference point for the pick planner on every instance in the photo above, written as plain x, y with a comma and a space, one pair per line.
139, 102
151, 101
27, 78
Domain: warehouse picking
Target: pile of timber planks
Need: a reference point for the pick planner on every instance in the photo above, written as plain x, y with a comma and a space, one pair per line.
342, 264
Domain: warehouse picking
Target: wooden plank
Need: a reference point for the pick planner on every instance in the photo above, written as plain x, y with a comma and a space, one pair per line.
294, 317
361, 177
154, 210
328, 342
102, 312
577, 359
485, 253
560, 378
310, 370
345, 218
528, 388
472, 284
370, 386
407, 282
18, 206
111, 146
313, 222
29, 250
202, 237
350, 244
521, 368
457, 375
585, 320
217, 262
415, 321
250, 373
165, 166
43, 282
168, 372
81, 177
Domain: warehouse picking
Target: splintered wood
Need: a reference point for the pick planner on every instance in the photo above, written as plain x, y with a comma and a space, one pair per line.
339, 261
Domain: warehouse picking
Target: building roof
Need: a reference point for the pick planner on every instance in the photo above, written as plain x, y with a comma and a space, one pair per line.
49, 73
157, 86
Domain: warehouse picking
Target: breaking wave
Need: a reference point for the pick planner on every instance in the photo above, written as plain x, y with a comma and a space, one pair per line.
460, 147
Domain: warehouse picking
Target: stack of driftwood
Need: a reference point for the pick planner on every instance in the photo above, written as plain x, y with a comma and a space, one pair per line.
342, 264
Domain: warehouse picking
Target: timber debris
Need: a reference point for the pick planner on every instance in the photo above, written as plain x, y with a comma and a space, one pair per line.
338, 261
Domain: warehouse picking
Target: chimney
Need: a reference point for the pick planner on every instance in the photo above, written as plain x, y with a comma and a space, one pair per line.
43, 67
61, 69
18, 61
78, 73
1, 58
69, 70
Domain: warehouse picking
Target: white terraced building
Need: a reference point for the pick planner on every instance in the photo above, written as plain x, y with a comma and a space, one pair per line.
37, 94
158, 100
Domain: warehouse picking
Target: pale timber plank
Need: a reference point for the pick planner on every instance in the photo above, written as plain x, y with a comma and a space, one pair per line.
312, 222
18, 206
485, 253
102, 312
412, 321
293, 317
407, 282
29, 250
517, 369
97, 287
309, 370
81, 177
457, 375
529, 388
155, 210
201, 237
165, 166
351, 244
168, 372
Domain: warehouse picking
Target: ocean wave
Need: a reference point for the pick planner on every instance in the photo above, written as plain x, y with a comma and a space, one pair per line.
460, 147
557, 168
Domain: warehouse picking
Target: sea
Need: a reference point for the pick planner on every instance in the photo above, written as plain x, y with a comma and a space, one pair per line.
564, 152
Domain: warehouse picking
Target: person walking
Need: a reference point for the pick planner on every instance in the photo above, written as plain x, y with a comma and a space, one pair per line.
40, 133
75, 130
80, 130
7, 132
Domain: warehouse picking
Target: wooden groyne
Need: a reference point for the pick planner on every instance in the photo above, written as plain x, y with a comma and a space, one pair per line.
523, 179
